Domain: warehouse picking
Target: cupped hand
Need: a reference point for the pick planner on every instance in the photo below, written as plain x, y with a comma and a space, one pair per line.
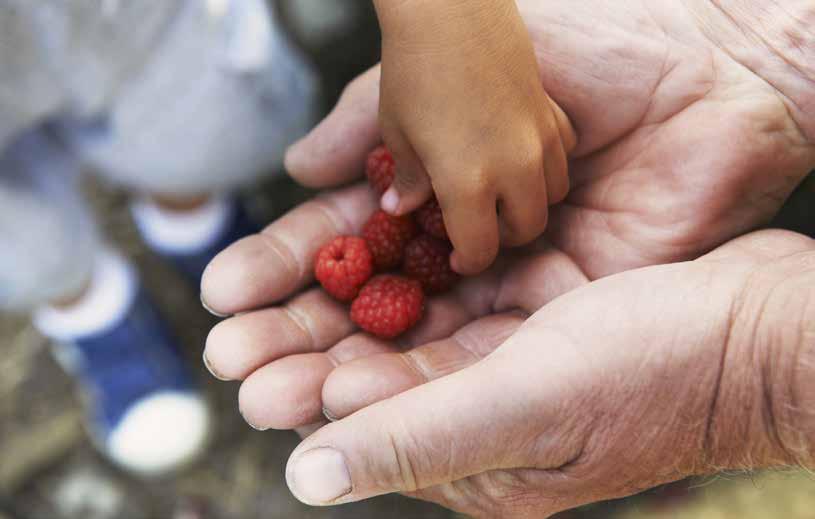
681, 148
635, 380
284, 347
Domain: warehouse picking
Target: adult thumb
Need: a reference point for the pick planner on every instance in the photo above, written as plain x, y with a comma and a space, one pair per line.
464, 424
334, 152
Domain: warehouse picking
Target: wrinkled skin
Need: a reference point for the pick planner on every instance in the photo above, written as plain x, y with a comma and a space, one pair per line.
681, 147
632, 381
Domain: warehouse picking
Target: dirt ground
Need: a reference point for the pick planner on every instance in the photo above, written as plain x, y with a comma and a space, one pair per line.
48, 469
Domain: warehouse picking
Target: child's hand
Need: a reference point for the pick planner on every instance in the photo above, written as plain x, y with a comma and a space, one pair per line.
463, 111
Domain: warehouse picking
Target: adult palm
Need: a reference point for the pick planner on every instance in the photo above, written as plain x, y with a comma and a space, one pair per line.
681, 146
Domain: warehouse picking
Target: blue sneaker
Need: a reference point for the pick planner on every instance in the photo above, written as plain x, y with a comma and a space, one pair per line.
144, 410
190, 240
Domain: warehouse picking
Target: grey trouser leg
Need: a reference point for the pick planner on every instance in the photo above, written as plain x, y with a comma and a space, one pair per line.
47, 236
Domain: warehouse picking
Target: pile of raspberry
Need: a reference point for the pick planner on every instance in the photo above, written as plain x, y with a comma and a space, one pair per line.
387, 271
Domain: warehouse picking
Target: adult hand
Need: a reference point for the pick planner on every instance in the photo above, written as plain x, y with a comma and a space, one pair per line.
690, 132
681, 148
635, 380
284, 353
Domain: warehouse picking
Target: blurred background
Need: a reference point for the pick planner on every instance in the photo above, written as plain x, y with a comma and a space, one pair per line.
49, 468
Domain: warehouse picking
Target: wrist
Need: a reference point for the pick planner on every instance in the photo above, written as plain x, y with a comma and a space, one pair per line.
764, 413
775, 40
410, 20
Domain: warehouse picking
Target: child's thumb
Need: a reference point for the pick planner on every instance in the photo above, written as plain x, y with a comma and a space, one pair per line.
411, 185
411, 188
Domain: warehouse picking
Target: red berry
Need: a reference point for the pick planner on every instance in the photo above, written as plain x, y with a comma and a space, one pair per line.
343, 266
431, 220
380, 169
427, 260
387, 237
388, 306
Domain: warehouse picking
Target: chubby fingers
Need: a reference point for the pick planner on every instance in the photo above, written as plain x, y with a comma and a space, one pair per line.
470, 216
523, 197
538, 178
411, 184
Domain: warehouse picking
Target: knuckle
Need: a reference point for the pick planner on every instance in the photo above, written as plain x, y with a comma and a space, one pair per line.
777, 290
481, 258
409, 179
551, 141
476, 185
786, 348
523, 228
532, 160
510, 495
473, 182
404, 454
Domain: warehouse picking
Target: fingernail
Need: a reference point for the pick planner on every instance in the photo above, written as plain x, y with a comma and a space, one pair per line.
455, 263
211, 370
210, 310
390, 201
250, 424
320, 476
293, 159
329, 415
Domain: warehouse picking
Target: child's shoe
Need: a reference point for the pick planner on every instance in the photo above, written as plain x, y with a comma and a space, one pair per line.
145, 413
190, 239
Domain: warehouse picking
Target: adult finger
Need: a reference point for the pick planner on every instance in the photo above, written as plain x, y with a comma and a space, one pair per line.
334, 152
265, 268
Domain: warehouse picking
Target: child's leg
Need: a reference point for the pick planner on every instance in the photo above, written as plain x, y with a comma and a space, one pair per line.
213, 109
89, 301
50, 241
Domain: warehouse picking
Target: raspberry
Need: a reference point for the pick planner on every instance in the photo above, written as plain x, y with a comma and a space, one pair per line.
431, 220
427, 260
343, 266
387, 237
380, 169
388, 306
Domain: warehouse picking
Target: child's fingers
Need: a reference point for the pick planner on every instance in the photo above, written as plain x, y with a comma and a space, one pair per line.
523, 208
568, 135
558, 140
411, 185
556, 168
471, 218
411, 188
